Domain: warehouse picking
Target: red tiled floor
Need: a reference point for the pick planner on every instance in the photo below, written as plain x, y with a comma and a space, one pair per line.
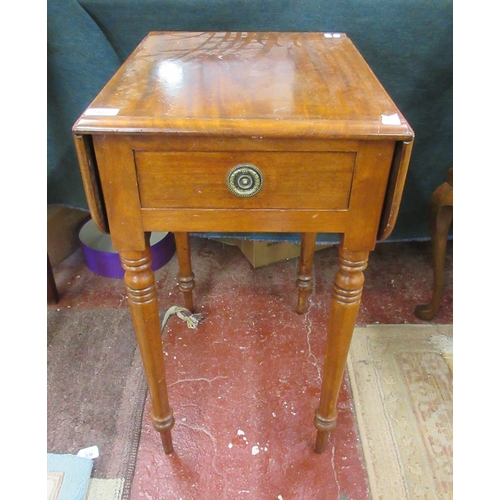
245, 384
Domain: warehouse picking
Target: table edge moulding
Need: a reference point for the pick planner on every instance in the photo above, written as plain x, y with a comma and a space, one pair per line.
247, 132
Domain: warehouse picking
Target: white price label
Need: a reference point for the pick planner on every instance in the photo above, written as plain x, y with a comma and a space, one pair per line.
391, 119
101, 112
90, 452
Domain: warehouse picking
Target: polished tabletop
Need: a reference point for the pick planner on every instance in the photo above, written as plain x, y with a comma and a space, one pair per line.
235, 83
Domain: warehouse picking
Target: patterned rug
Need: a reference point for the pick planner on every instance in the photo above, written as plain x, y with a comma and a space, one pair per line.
95, 394
401, 377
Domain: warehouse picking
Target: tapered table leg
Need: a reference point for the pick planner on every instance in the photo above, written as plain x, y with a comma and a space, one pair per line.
186, 276
141, 292
347, 289
304, 278
441, 215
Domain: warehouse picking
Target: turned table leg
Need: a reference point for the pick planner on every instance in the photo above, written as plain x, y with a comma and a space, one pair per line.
441, 215
186, 276
347, 289
141, 292
304, 278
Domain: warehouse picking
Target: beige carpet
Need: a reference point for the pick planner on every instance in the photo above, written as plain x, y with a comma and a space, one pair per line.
401, 377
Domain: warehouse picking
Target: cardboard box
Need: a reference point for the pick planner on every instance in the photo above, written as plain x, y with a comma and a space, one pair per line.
263, 253
63, 224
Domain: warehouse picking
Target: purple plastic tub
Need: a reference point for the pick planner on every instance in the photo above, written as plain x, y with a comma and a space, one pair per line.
101, 258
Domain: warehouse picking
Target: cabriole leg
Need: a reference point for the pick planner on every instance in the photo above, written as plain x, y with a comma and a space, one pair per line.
441, 216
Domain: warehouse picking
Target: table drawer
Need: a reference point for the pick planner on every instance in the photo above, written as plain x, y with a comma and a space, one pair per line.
296, 179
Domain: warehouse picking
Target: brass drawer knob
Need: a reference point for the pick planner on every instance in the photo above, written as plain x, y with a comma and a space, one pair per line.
245, 180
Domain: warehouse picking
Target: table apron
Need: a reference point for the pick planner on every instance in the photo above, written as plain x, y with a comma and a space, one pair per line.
244, 220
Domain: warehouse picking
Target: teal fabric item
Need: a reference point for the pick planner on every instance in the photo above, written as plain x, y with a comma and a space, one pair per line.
321, 239
409, 46
79, 63
76, 471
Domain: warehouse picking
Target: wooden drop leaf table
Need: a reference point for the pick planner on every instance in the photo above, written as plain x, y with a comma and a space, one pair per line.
244, 132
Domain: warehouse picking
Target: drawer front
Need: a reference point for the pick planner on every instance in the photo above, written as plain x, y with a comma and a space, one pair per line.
302, 180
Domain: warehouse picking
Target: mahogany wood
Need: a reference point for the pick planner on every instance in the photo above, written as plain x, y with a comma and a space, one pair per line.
157, 144
186, 275
441, 216
141, 294
347, 288
304, 278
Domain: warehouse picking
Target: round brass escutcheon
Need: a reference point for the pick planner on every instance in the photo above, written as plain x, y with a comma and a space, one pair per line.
245, 180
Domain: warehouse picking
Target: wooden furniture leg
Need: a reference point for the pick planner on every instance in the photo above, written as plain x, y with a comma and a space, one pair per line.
52, 292
186, 276
441, 215
141, 293
304, 278
347, 289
